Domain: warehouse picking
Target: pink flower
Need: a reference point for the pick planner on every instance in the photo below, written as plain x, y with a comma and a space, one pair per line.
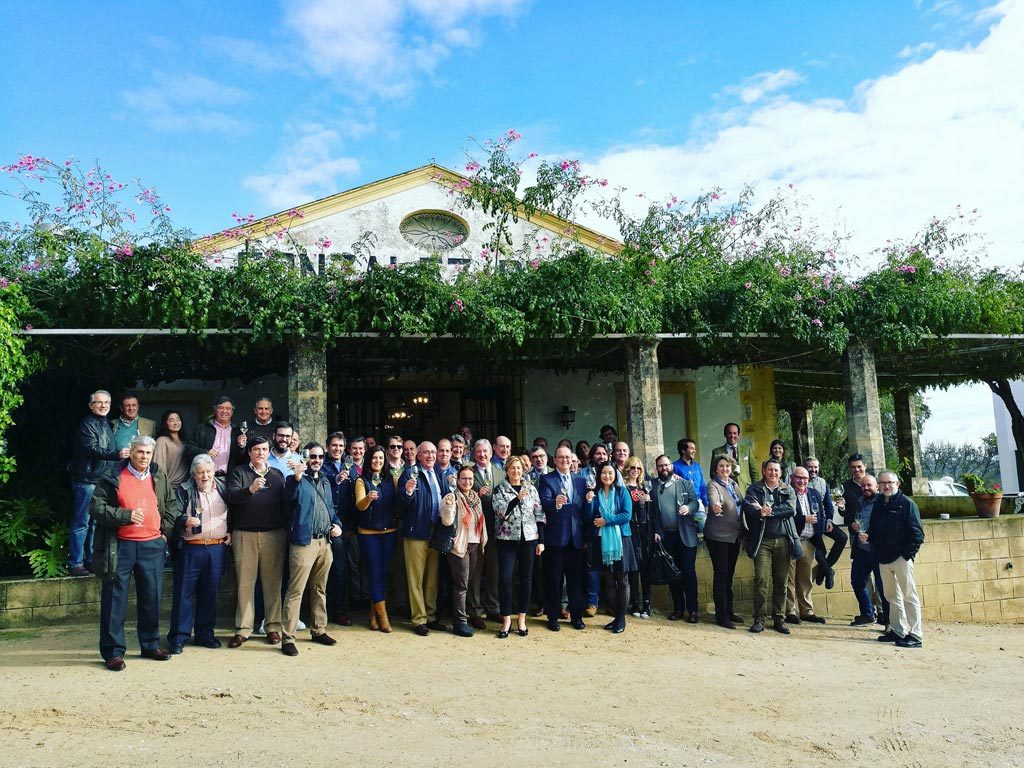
513, 135
565, 165
532, 155
785, 271
748, 286
472, 166
816, 322
28, 326
534, 263
4, 282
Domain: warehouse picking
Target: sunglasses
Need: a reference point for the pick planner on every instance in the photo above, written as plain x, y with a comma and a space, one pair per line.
316, 457
394, 447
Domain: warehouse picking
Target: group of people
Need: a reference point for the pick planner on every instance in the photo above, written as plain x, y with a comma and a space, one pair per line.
489, 533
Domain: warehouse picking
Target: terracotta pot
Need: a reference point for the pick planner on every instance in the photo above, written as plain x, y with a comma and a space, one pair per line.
987, 504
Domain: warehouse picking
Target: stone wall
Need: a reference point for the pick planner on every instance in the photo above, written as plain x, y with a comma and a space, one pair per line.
968, 570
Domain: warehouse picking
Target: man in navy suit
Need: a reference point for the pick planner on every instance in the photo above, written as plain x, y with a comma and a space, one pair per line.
566, 536
420, 497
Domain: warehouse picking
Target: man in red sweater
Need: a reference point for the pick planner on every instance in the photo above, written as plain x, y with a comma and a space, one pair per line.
134, 510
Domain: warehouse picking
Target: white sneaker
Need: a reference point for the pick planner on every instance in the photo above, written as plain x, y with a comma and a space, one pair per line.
636, 614
300, 625
645, 615
260, 629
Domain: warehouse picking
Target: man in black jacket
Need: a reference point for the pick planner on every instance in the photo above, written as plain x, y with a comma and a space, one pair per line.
896, 535
96, 455
220, 437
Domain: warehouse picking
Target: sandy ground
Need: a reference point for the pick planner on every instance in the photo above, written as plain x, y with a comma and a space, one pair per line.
660, 694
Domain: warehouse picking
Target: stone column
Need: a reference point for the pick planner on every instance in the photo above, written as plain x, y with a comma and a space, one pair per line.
908, 442
860, 395
801, 417
643, 382
307, 391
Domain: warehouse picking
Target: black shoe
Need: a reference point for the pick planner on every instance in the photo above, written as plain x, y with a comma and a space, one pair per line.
523, 632
792, 618
860, 621
909, 642
888, 637
757, 626
735, 619
502, 634
692, 618
175, 648
779, 625
578, 624
462, 629
618, 629
554, 626
813, 619
611, 624
421, 630
830, 579
324, 639
725, 624
437, 626
818, 575
212, 642
288, 648
675, 616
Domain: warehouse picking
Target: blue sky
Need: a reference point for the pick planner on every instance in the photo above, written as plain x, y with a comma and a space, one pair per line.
883, 113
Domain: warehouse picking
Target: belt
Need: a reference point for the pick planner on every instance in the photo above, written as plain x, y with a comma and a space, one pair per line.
205, 542
321, 535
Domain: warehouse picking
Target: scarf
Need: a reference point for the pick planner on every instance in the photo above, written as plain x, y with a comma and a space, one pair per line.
472, 508
732, 492
611, 535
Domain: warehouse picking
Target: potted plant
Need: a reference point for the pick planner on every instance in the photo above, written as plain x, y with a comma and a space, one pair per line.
987, 498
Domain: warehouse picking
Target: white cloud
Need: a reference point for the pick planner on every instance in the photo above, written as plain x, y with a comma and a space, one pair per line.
309, 169
944, 131
912, 52
180, 103
758, 86
959, 414
382, 45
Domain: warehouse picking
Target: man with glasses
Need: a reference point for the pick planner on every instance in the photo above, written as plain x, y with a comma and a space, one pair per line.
539, 462
810, 524
95, 455
896, 535
420, 498
281, 456
312, 523
675, 526
566, 536
483, 595
395, 463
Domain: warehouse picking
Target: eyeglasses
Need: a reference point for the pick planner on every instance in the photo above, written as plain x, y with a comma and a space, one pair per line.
394, 447
316, 457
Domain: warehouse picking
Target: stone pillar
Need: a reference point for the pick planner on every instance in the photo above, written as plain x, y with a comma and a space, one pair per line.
860, 395
801, 417
307, 391
643, 382
908, 442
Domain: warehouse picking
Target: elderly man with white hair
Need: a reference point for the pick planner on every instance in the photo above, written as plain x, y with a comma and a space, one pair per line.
419, 495
896, 534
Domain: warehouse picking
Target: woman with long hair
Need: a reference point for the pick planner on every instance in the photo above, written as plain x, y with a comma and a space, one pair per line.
172, 453
519, 534
611, 551
723, 530
777, 452
377, 529
640, 532
462, 507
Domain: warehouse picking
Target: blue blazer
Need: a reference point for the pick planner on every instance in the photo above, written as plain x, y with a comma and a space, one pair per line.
419, 512
568, 525
817, 508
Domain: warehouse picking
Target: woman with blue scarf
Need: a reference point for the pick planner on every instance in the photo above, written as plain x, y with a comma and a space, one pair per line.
611, 550
722, 532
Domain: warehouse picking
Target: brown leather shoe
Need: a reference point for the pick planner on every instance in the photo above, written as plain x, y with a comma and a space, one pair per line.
289, 649
324, 639
590, 611
236, 641
156, 654
115, 664
421, 630
380, 611
273, 638
477, 622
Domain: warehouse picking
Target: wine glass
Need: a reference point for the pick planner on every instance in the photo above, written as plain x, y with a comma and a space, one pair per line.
591, 481
244, 428
305, 455
453, 482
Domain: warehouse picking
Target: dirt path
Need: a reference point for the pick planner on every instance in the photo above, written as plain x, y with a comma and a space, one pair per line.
660, 694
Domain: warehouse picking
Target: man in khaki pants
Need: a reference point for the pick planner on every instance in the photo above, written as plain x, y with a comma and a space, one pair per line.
312, 523
258, 539
809, 520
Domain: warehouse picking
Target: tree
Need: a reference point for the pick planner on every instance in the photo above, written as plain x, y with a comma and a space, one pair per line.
942, 458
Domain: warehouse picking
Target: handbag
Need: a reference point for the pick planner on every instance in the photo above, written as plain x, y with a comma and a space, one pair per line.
664, 570
442, 537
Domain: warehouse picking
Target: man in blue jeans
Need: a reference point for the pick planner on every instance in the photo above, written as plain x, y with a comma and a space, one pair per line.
96, 455
864, 563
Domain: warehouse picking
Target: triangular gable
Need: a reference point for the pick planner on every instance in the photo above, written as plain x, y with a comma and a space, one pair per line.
378, 190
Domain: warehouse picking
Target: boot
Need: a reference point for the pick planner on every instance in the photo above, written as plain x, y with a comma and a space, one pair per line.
381, 610
373, 618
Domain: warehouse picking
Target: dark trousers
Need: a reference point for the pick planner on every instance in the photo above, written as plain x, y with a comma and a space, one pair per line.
723, 562
337, 578
466, 571
839, 539
861, 566
197, 573
145, 561
640, 580
567, 562
376, 551
684, 591
510, 553
617, 587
